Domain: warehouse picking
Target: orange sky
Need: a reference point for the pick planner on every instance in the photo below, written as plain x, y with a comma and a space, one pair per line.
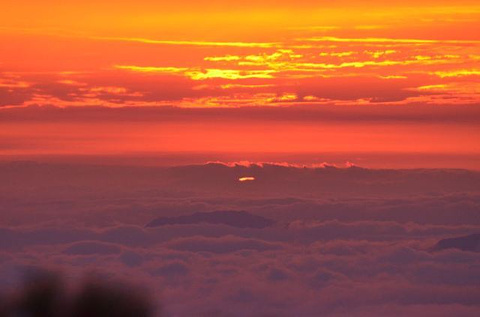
423, 55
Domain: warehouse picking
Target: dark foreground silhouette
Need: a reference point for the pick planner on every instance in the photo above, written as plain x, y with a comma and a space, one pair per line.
45, 295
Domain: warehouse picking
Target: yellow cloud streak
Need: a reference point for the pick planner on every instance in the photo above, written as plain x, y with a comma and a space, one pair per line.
152, 69
189, 43
202, 74
227, 58
233, 86
229, 74
458, 73
288, 66
432, 87
387, 40
468, 89
285, 45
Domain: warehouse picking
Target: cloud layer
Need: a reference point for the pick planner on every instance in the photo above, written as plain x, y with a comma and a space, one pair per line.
339, 248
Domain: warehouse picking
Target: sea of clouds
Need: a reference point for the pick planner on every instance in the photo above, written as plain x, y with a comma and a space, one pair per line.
296, 241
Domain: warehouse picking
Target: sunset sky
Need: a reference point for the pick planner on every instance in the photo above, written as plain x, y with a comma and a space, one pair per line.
241, 158
261, 77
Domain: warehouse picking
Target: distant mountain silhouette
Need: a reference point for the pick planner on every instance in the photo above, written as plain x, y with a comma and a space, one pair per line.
271, 180
239, 219
465, 243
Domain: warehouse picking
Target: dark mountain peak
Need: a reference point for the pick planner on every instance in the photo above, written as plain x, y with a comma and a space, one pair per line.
465, 243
